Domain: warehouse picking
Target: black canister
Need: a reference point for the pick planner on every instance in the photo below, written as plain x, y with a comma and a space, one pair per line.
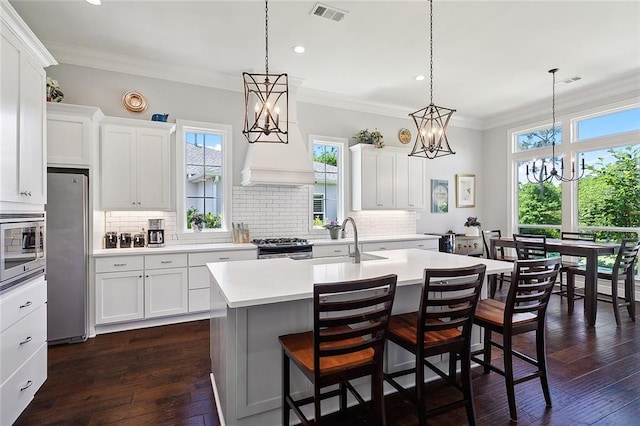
111, 240
125, 240
138, 240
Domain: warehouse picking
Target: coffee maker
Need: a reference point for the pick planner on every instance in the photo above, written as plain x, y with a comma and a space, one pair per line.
155, 233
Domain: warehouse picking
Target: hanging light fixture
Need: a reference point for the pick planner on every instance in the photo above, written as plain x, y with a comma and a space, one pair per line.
432, 120
266, 100
539, 174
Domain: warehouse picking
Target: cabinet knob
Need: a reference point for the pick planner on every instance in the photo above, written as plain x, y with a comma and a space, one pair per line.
134, 203
139, 203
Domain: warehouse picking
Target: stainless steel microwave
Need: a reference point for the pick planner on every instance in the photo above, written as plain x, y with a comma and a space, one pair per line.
22, 253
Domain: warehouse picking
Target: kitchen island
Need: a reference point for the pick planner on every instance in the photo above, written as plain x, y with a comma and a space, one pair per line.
268, 298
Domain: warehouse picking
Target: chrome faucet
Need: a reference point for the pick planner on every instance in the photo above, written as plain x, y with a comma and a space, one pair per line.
356, 254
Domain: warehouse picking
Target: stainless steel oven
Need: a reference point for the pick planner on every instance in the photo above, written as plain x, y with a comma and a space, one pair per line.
22, 253
295, 248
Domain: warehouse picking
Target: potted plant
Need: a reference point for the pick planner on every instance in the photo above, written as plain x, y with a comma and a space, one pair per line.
197, 222
334, 229
473, 227
372, 138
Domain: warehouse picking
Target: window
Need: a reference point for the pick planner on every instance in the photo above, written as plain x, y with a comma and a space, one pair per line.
203, 175
328, 191
607, 198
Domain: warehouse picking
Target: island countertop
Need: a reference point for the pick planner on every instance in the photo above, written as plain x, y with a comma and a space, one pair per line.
259, 282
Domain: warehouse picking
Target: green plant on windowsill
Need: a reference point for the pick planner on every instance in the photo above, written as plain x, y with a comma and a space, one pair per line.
372, 138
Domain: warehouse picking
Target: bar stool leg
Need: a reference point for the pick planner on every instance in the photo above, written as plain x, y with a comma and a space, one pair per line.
571, 287
285, 389
614, 300
317, 420
343, 397
508, 375
467, 389
377, 397
630, 295
542, 363
420, 394
487, 350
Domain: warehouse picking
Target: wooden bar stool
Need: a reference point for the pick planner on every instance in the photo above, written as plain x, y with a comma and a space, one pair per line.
530, 246
523, 311
567, 262
351, 319
622, 271
497, 254
441, 326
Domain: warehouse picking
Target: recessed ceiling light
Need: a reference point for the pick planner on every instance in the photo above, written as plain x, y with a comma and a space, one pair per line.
94, 2
419, 77
298, 49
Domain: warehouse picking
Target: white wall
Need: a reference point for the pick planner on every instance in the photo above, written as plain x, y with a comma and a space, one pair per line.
104, 89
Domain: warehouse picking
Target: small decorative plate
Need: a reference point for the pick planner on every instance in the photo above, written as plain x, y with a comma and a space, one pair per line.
134, 101
404, 135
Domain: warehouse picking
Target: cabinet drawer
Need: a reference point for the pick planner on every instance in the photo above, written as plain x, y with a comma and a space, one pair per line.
331, 250
21, 340
18, 391
421, 244
199, 277
20, 302
199, 300
389, 245
119, 264
164, 261
201, 259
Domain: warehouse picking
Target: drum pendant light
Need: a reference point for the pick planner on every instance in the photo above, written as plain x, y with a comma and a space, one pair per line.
432, 120
266, 100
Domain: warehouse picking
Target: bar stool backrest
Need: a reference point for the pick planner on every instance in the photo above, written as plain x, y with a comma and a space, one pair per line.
530, 246
584, 236
486, 238
625, 259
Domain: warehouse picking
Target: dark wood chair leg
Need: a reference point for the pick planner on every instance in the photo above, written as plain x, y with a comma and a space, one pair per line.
487, 349
317, 412
343, 396
493, 283
571, 287
420, 394
285, 389
542, 363
377, 397
453, 363
630, 296
467, 389
508, 375
614, 300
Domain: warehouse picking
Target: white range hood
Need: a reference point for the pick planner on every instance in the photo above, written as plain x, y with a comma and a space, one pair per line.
277, 163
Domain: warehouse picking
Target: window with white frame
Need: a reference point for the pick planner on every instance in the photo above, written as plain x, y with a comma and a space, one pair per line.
606, 200
203, 153
328, 191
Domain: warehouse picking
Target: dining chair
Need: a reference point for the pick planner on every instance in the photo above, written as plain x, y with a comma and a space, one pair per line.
497, 254
523, 311
569, 262
350, 323
622, 269
442, 325
530, 246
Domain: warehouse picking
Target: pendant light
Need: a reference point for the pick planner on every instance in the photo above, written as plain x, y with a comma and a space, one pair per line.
539, 174
266, 100
432, 120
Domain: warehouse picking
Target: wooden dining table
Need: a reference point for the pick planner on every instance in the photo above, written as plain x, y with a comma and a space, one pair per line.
589, 250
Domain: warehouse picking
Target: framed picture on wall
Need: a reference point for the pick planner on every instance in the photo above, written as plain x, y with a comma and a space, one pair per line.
439, 196
465, 191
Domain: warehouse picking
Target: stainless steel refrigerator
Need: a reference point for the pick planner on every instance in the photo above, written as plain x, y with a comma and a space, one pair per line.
67, 256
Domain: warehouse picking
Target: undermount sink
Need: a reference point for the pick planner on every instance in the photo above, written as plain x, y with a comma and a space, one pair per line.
364, 257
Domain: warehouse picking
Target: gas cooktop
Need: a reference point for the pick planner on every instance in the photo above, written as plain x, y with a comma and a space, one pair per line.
272, 242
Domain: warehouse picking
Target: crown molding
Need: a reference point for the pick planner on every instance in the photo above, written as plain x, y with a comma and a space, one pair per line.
100, 59
14, 22
627, 84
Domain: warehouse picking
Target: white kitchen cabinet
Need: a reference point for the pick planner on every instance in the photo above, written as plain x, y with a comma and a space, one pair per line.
23, 346
382, 245
135, 158
119, 296
430, 244
165, 292
468, 246
332, 250
22, 116
386, 179
201, 295
72, 134
410, 179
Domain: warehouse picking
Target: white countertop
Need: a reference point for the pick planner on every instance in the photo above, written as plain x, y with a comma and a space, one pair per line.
258, 282
173, 248
193, 248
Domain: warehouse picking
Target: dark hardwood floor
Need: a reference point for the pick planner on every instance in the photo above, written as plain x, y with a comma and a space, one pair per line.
160, 376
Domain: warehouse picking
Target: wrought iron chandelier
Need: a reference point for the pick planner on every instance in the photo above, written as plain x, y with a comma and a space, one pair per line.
266, 100
432, 120
539, 174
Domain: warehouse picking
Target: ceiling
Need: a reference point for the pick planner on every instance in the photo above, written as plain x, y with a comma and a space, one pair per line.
490, 57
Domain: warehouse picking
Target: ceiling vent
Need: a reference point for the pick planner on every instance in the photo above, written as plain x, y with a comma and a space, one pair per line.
571, 80
328, 12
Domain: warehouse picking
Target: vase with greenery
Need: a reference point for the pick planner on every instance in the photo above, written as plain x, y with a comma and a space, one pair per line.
334, 229
197, 222
372, 138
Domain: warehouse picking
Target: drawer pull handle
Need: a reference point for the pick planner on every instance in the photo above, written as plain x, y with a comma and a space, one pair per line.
27, 386
25, 341
26, 305
337, 251
223, 258
119, 264
166, 261
383, 248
